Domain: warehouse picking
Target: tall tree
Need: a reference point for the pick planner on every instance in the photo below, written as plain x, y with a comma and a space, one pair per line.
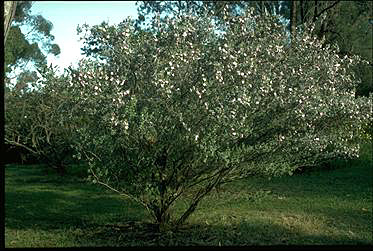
147, 9
339, 23
348, 28
293, 18
9, 11
31, 47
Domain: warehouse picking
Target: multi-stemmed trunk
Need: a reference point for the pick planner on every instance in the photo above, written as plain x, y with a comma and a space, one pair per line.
161, 209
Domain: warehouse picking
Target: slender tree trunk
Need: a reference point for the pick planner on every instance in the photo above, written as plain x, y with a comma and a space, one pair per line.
262, 7
315, 12
9, 11
293, 18
302, 11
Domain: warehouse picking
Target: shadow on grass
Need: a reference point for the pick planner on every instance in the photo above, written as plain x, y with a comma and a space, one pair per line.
47, 210
92, 217
242, 234
92, 222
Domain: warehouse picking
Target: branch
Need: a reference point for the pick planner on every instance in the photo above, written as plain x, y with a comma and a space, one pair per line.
11, 142
32, 30
331, 6
207, 178
200, 194
120, 193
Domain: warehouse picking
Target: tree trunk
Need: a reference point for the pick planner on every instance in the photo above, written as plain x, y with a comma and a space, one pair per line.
315, 12
9, 11
302, 11
293, 18
262, 7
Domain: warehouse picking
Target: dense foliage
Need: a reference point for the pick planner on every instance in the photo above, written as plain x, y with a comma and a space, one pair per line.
180, 108
39, 119
27, 49
344, 23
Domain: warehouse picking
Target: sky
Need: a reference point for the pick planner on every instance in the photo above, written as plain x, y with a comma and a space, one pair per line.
65, 17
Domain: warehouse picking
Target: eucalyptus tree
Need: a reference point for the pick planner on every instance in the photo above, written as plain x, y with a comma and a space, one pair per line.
9, 11
28, 47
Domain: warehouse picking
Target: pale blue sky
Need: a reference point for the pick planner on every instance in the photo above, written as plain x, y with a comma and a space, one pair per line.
66, 15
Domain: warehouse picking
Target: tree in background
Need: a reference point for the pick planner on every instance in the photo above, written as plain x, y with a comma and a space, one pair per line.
344, 24
9, 11
293, 18
40, 120
24, 106
30, 48
177, 108
148, 10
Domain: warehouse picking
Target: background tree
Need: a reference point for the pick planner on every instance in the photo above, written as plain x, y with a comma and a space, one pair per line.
31, 47
25, 56
9, 11
150, 9
40, 120
293, 18
344, 24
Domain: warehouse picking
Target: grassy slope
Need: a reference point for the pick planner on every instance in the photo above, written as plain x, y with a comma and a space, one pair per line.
328, 207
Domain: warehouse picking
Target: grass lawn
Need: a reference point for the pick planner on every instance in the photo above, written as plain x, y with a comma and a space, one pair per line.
323, 207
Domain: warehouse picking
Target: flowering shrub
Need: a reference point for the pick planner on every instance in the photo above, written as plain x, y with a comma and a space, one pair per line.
180, 108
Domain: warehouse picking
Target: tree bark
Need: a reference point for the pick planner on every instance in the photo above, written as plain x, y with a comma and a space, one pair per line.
302, 11
262, 7
293, 18
9, 11
315, 12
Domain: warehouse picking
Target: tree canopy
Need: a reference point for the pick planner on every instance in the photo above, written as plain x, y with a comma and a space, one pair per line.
177, 109
341, 23
31, 48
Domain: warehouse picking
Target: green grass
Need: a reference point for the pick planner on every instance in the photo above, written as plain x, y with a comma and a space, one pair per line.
323, 207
